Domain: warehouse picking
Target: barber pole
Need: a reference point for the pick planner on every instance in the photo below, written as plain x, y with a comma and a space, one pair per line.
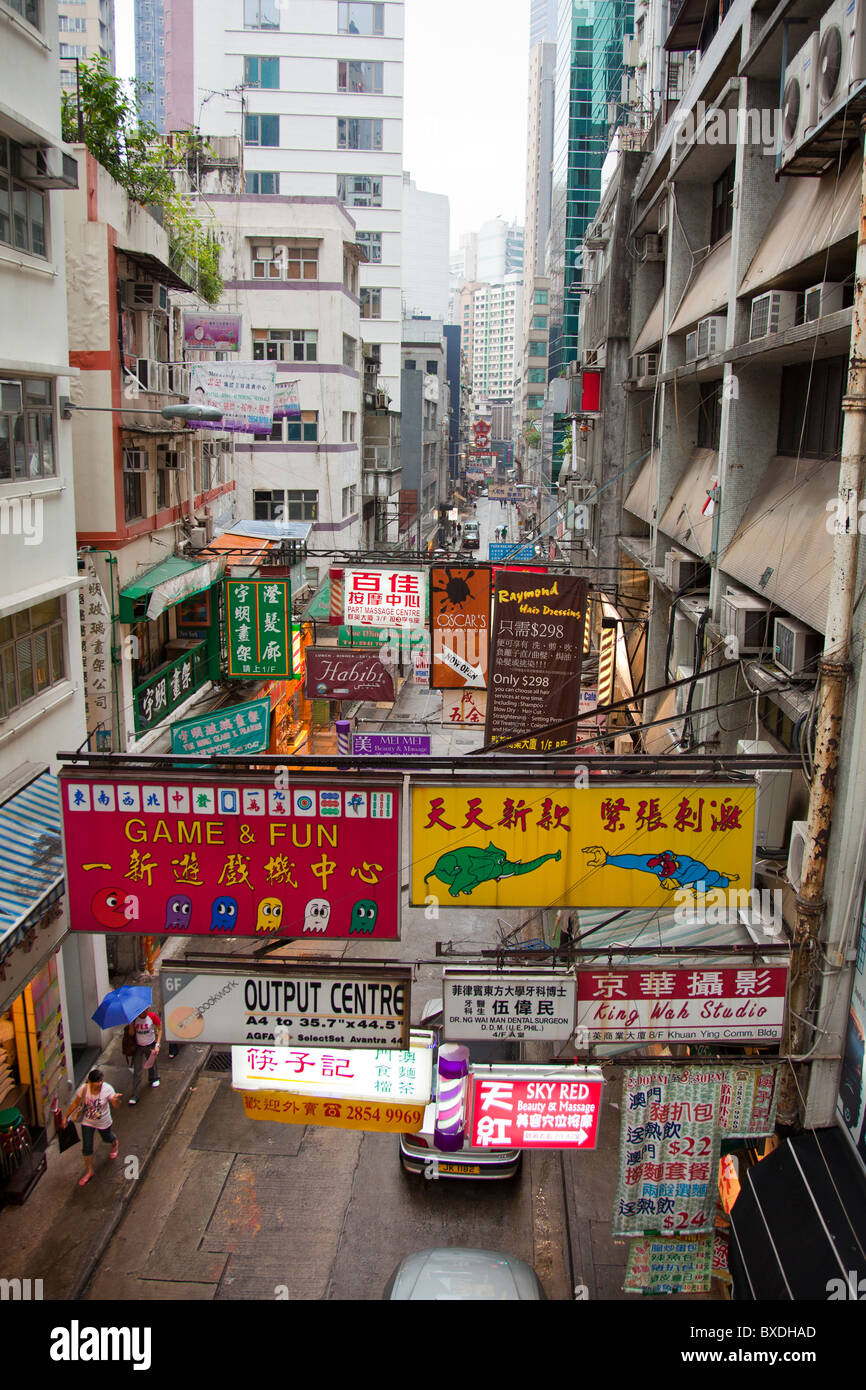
343, 747
451, 1088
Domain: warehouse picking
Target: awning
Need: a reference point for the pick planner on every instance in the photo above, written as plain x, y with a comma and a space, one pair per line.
651, 333
623, 685
642, 498
168, 583
246, 551
155, 268
318, 609
811, 215
800, 1222
695, 531
783, 533
708, 289
612, 929
31, 858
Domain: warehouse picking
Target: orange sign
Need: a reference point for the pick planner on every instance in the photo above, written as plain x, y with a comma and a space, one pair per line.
460, 622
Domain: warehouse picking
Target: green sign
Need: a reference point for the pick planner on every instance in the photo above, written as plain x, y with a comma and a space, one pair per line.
667, 1264
259, 623
167, 688
378, 636
238, 729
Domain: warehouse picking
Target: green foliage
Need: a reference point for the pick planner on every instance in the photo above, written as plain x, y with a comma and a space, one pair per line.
132, 151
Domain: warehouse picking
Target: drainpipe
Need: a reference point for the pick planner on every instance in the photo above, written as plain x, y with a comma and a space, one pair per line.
834, 669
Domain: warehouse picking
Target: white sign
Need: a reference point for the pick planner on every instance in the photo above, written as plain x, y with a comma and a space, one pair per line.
464, 708
729, 1004
507, 1004
384, 598
96, 651
243, 391
339, 1072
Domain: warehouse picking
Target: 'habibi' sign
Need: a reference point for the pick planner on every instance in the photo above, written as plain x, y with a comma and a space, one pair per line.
538, 624
341, 675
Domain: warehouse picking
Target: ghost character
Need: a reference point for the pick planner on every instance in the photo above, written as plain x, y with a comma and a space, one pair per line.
317, 914
223, 914
364, 914
178, 911
269, 914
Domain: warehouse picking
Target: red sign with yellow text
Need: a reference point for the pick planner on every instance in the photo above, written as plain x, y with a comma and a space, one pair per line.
230, 856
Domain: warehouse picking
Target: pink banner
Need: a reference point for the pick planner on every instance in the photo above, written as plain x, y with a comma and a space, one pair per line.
732, 1004
560, 1112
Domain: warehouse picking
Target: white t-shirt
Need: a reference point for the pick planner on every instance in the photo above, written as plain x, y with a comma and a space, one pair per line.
96, 1110
145, 1033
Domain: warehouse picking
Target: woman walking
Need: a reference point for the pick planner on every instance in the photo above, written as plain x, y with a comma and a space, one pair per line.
146, 1030
94, 1100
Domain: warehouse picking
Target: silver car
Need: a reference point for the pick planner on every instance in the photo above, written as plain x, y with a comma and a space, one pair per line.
455, 1273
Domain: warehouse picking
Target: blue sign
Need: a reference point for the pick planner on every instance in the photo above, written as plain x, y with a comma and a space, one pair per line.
505, 551
391, 745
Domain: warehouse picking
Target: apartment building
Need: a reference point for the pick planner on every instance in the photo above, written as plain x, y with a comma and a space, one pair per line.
425, 432
151, 58
85, 30
495, 347
532, 389
426, 224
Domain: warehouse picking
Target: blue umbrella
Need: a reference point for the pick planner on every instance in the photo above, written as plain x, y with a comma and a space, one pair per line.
122, 1006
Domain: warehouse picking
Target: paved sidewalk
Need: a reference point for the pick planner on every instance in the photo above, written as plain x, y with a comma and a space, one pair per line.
61, 1231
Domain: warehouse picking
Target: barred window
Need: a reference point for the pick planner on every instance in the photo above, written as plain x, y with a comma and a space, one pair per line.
32, 653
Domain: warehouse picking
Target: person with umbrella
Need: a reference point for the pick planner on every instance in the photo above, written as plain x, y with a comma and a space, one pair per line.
143, 1030
95, 1100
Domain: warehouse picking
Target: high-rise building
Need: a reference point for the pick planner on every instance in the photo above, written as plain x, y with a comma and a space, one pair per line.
497, 311
315, 91
150, 58
542, 22
539, 154
500, 250
425, 251
85, 30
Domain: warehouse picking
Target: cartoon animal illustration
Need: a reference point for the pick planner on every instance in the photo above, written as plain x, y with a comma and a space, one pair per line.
464, 869
223, 914
178, 912
317, 914
113, 908
364, 914
672, 870
269, 914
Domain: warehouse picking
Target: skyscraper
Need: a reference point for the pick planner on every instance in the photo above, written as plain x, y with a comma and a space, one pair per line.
85, 30
542, 22
150, 59
426, 217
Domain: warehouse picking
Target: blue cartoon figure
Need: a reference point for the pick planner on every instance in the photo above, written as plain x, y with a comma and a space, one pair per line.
672, 870
364, 914
178, 912
223, 914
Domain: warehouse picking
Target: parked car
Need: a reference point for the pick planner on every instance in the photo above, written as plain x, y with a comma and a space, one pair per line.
419, 1151
457, 1274
471, 535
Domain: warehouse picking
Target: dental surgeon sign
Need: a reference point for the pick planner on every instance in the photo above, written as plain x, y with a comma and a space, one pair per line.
232, 856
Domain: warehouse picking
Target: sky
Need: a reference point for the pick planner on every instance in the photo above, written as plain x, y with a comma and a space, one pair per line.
465, 82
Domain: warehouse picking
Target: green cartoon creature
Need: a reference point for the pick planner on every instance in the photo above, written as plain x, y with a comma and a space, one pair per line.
464, 869
364, 914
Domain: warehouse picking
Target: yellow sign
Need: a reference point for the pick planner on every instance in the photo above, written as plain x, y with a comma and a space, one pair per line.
558, 845
284, 1108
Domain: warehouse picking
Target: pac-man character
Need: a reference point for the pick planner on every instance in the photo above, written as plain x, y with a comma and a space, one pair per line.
178, 911
223, 914
317, 914
269, 914
364, 914
109, 908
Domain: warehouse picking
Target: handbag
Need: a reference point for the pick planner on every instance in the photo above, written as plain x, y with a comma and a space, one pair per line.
67, 1137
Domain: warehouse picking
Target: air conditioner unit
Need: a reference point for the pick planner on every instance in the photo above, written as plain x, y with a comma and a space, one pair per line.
691, 346
172, 459
745, 618
589, 357
46, 166
711, 335
647, 364
12, 397
651, 247
198, 537
771, 796
841, 55
663, 216
772, 313
178, 380
681, 694
795, 645
800, 99
630, 52
680, 569
796, 852
144, 294
826, 298
135, 461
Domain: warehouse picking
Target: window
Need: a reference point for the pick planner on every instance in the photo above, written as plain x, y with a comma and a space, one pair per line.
26, 435
534, 402
73, 50
359, 77
261, 183
289, 506
350, 275
261, 14
710, 415
32, 656
29, 10
810, 414
409, 365
358, 133
163, 487
539, 321
359, 190
371, 304
540, 297
722, 217
536, 375
361, 19
71, 24
371, 243
305, 430
350, 503
262, 72
537, 349
348, 427
284, 262
133, 496
285, 344
350, 347
433, 368
262, 130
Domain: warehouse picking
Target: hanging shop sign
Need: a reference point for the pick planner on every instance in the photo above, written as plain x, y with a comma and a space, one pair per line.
391, 745
730, 1004
259, 628
336, 675
378, 1117
384, 598
347, 1073
674, 1265
421, 667
238, 729
231, 856
212, 332
96, 645
558, 1108
504, 492
673, 1121
380, 637
460, 624
497, 551
464, 708
617, 845
287, 404
173, 684
288, 1004
538, 630
507, 1004
243, 391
